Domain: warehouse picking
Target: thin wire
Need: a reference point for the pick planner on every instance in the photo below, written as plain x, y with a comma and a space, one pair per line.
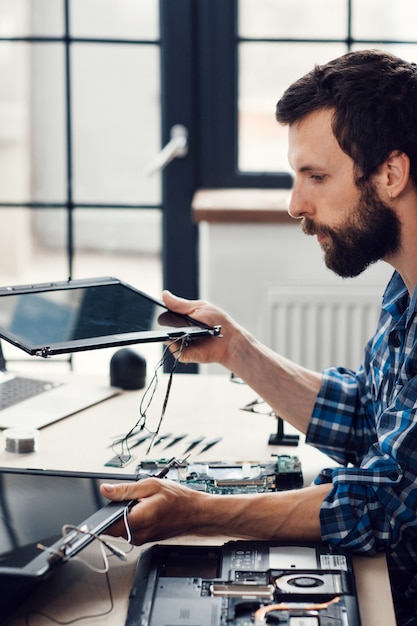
62, 558
105, 571
129, 537
141, 423
165, 403
55, 620
102, 543
124, 454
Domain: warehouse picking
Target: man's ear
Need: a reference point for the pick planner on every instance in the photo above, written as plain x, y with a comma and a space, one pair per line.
395, 174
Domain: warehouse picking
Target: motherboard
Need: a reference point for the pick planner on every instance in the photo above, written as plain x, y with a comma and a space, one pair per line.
281, 473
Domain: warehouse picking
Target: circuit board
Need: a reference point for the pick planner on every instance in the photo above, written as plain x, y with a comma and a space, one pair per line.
281, 473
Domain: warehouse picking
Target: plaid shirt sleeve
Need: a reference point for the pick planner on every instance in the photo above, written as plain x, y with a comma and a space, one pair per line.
367, 422
372, 505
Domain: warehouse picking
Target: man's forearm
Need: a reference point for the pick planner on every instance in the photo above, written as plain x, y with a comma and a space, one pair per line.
167, 509
288, 388
289, 515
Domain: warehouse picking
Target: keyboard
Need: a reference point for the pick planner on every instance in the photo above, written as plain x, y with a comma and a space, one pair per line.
20, 388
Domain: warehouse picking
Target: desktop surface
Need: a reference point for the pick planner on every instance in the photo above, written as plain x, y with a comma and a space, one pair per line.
203, 409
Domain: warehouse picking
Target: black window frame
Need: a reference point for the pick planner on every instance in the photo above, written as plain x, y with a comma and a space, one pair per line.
68, 204
218, 41
198, 42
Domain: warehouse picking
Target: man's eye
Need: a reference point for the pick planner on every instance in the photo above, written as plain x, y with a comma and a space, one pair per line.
317, 177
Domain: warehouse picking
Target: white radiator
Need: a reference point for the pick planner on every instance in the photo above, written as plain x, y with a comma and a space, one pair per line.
321, 325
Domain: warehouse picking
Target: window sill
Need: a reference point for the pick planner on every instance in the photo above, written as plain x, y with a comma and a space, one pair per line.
242, 205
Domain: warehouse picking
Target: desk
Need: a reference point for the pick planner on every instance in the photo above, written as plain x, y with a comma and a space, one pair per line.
198, 405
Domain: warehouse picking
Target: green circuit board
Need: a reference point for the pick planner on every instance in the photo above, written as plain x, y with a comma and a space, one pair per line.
281, 473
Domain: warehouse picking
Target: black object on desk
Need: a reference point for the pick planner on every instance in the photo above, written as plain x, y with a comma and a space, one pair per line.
280, 438
276, 439
127, 369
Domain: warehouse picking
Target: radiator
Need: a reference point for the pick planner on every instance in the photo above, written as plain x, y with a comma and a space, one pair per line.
321, 325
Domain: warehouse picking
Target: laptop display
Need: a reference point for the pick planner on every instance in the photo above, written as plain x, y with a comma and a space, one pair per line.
34, 507
78, 315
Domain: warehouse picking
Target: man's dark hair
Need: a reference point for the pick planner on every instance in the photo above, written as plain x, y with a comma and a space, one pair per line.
374, 97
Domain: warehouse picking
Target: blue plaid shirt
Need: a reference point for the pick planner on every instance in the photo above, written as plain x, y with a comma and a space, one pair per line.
367, 422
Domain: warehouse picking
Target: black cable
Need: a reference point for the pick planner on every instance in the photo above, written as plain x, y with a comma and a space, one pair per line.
124, 454
54, 620
165, 402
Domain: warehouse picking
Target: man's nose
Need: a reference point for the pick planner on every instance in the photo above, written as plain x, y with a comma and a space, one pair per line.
299, 204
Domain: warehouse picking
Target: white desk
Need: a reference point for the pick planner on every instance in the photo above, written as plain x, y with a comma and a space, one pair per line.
198, 405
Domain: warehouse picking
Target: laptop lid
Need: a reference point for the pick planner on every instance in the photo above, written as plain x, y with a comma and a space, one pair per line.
35, 505
85, 314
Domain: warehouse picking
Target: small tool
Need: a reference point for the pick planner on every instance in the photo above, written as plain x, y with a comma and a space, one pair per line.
174, 462
194, 443
210, 444
175, 439
139, 440
161, 438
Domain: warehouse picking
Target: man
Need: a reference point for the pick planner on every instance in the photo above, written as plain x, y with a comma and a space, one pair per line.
352, 127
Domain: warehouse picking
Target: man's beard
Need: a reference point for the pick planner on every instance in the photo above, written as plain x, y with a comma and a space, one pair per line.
372, 232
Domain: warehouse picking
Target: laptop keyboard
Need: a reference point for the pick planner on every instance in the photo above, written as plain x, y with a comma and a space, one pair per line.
20, 388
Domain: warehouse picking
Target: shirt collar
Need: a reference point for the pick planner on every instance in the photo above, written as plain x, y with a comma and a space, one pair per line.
396, 298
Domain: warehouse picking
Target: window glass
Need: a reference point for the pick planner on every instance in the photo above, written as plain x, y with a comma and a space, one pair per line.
109, 18
24, 18
267, 68
32, 122
123, 237
116, 113
402, 50
383, 19
14, 122
111, 117
264, 75
49, 229
127, 233
292, 18
48, 160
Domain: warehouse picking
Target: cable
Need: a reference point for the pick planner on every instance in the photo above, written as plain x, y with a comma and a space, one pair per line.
129, 535
116, 551
55, 620
103, 543
165, 402
124, 454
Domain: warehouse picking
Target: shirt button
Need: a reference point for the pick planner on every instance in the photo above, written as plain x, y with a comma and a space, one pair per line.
397, 341
393, 475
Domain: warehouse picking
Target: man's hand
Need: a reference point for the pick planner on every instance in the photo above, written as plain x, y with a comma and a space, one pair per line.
207, 349
164, 509
291, 390
168, 509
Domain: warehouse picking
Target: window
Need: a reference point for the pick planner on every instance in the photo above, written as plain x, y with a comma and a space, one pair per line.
90, 90
280, 40
80, 119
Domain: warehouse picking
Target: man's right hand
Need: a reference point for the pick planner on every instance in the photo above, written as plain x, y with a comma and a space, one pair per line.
205, 349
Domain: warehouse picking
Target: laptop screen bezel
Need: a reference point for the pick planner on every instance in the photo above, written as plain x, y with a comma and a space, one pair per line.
179, 325
40, 565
